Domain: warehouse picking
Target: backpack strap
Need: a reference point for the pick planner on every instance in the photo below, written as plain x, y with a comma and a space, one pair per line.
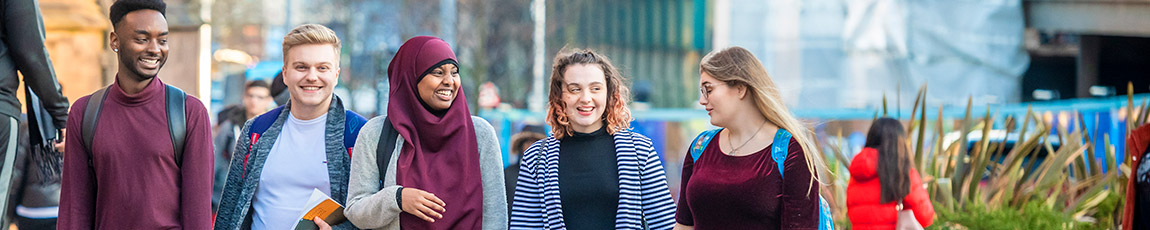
175, 110
91, 115
177, 119
385, 148
780, 147
260, 124
352, 123
701, 143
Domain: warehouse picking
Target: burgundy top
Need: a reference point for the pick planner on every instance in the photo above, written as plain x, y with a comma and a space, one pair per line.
440, 153
133, 181
745, 192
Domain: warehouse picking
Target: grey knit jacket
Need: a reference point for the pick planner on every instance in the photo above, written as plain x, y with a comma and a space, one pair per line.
235, 211
371, 207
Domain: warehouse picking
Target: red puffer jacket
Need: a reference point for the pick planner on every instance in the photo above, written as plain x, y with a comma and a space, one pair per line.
863, 199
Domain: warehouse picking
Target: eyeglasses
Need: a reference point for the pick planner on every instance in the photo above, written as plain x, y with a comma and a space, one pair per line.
705, 90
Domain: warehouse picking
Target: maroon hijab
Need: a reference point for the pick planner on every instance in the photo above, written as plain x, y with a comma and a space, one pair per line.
441, 155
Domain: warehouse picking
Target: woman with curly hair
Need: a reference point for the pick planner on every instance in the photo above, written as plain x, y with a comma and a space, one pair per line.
593, 172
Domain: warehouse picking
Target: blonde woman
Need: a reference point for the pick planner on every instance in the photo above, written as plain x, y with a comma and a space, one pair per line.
734, 180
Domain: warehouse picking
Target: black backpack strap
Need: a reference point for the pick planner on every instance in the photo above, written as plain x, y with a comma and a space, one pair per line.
177, 119
385, 148
91, 115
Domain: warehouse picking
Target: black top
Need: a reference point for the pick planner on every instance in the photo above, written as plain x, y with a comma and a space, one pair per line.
510, 179
1142, 196
588, 180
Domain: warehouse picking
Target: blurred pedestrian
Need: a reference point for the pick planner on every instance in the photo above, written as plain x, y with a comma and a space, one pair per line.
257, 100
1136, 213
22, 50
519, 143
279, 90
885, 192
35, 197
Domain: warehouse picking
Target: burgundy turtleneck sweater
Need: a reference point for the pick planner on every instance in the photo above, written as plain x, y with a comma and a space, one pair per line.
133, 181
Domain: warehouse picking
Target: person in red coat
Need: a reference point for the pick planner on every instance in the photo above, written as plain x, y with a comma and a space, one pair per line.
1137, 143
882, 178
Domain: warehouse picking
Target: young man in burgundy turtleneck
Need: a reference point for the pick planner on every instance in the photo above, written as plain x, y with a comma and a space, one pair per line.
129, 175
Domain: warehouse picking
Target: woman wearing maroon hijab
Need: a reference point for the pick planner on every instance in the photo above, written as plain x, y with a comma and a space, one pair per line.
446, 170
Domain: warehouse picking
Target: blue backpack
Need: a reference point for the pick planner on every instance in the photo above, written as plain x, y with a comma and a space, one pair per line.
352, 123
779, 154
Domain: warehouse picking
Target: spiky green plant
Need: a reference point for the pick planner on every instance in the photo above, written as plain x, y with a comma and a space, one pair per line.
1068, 190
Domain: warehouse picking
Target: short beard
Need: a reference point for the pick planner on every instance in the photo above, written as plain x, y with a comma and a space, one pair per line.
134, 67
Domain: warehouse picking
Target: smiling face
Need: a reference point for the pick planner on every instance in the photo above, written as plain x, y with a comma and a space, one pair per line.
585, 96
311, 73
141, 44
440, 87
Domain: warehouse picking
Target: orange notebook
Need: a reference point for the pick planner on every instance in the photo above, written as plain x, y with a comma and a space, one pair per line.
324, 207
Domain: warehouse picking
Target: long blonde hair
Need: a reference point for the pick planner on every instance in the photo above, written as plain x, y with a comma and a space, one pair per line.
737, 66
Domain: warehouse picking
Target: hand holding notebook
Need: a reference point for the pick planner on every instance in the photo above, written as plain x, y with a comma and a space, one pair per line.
322, 206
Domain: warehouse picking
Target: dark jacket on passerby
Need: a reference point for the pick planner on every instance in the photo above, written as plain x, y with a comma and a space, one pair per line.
36, 178
231, 121
22, 49
1136, 145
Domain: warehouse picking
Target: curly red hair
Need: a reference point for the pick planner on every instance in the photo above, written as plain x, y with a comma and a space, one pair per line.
616, 116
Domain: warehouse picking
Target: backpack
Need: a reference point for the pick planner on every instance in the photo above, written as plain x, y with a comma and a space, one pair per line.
385, 148
173, 103
352, 122
779, 154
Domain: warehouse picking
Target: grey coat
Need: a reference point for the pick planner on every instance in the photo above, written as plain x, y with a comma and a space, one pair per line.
371, 207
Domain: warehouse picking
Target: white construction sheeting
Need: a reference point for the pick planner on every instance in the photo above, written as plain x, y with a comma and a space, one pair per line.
848, 53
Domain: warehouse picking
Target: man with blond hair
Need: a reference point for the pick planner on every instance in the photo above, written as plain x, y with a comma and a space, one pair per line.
296, 148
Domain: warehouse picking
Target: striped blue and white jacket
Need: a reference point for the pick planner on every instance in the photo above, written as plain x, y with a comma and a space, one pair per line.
644, 198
